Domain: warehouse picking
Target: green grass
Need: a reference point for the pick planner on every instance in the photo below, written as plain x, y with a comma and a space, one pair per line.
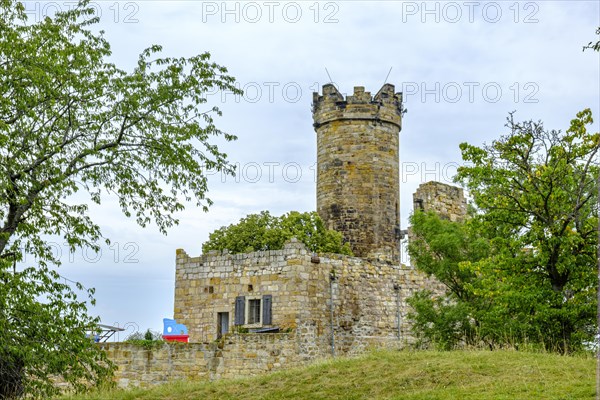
400, 375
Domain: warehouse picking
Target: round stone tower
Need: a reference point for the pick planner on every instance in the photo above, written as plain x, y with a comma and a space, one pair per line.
358, 182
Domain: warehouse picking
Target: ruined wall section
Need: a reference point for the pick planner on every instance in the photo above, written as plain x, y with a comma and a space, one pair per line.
369, 303
358, 167
236, 355
445, 200
369, 297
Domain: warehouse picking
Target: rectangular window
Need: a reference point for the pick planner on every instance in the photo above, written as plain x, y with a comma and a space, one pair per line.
254, 311
222, 324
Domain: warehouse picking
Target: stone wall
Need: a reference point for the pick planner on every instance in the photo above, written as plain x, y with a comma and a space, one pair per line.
358, 167
209, 284
137, 366
369, 296
369, 303
445, 200
236, 355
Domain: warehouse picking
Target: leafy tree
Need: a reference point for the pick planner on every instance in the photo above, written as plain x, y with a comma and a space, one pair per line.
530, 276
440, 247
539, 188
440, 321
265, 232
71, 121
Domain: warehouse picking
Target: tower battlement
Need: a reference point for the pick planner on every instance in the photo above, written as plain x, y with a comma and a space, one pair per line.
333, 106
358, 191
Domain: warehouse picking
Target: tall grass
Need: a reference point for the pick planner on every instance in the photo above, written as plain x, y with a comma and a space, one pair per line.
407, 375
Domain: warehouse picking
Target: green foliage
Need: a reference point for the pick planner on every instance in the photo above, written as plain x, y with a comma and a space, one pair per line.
440, 246
40, 339
71, 121
240, 329
148, 335
521, 269
438, 321
263, 231
148, 340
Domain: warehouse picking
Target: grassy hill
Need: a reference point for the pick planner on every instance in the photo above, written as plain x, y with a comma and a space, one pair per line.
410, 375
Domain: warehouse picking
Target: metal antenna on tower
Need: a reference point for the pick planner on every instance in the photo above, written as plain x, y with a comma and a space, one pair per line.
330, 79
388, 75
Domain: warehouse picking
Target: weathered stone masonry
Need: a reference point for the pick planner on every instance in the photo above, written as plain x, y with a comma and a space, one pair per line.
445, 200
358, 178
368, 296
234, 356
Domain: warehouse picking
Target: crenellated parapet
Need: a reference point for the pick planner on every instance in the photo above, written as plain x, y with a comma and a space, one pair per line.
331, 106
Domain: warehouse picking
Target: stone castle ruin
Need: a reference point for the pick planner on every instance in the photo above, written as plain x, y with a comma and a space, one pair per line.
334, 303
260, 311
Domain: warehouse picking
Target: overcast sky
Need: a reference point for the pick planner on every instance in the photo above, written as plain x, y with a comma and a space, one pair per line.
463, 66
